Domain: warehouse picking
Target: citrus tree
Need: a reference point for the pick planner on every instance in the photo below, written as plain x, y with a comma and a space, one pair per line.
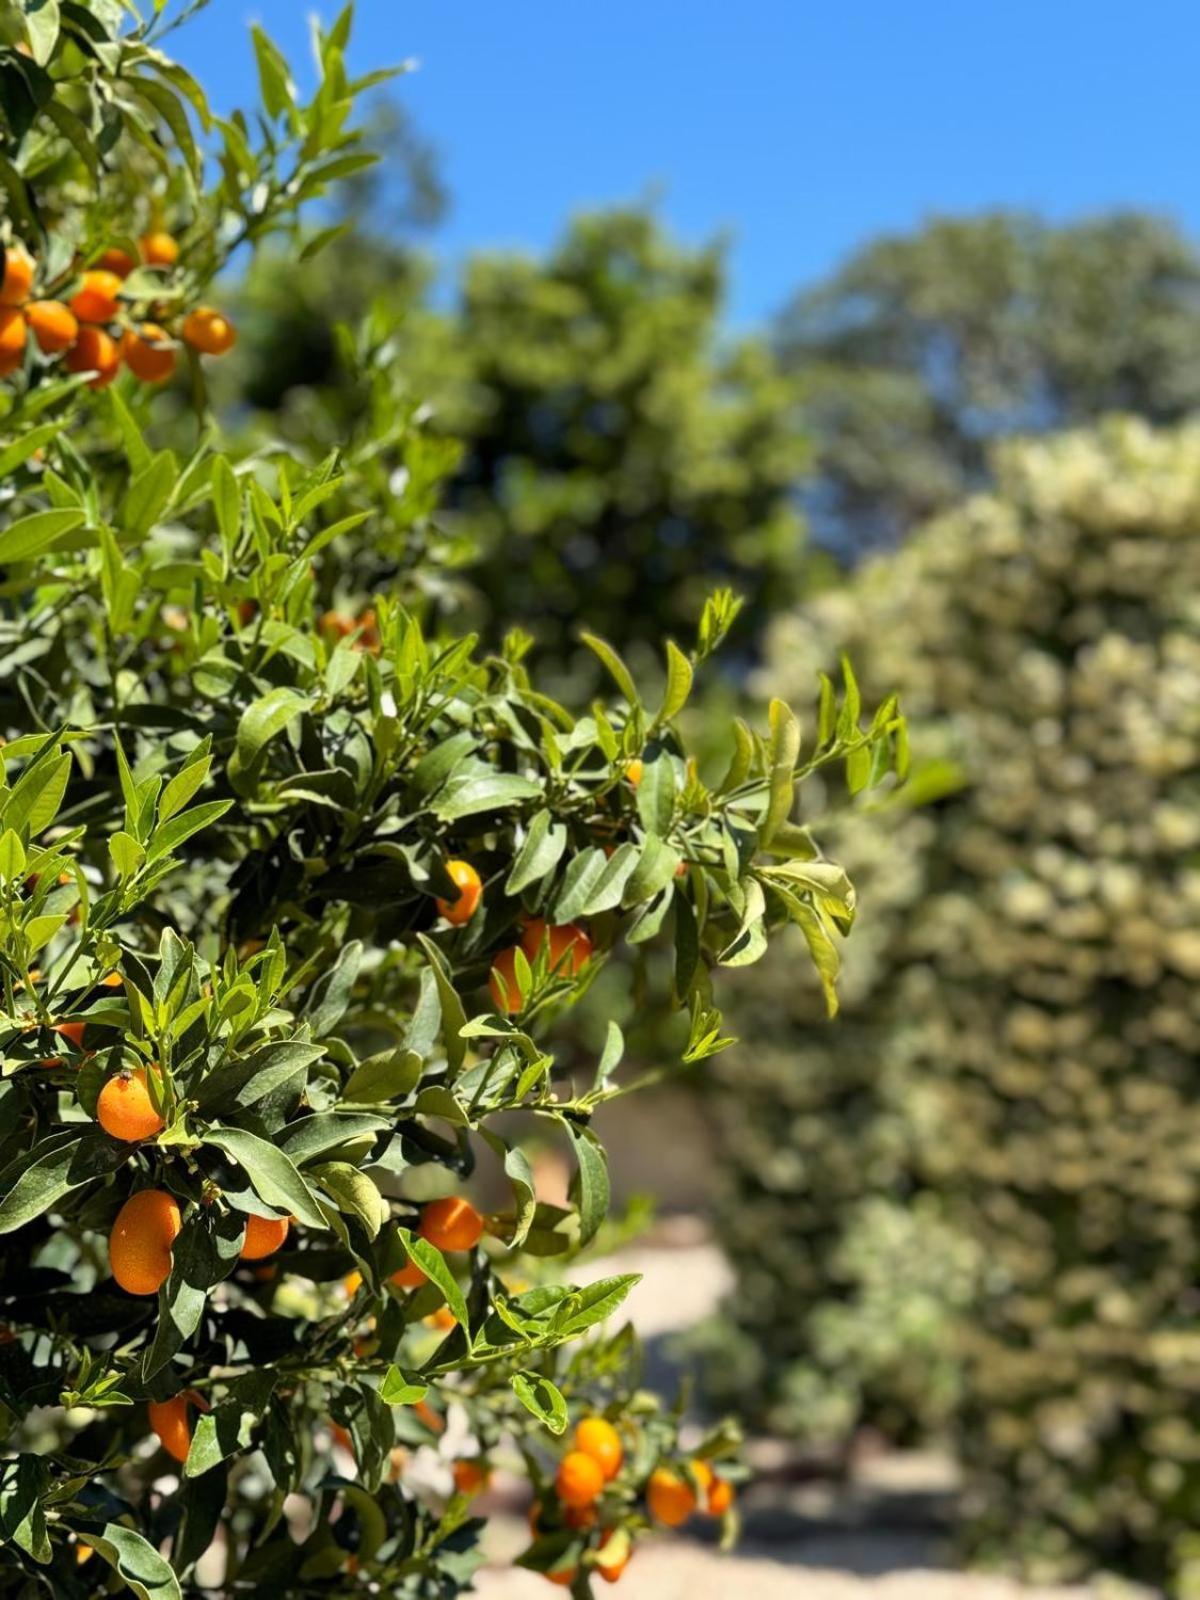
290, 899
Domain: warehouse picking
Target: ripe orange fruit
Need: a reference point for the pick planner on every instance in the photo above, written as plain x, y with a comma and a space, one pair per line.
96, 298
451, 1224
352, 1283
149, 353
116, 260
600, 1440
13, 334
634, 771
72, 1032
471, 1476
139, 1246
443, 1319
18, 276
54, 325
703, 1474
208, 331
569, 947
579, 1479
669, 1498
124, 1107
565, 1578
94, 351
264, 1235
409, 1276
720, 1497
158, 249
503, 985
169, 1419
470, 887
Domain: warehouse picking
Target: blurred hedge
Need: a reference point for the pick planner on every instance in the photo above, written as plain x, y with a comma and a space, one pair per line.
992, 1170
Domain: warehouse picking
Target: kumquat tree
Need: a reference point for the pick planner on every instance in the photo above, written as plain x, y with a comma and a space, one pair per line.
293, 888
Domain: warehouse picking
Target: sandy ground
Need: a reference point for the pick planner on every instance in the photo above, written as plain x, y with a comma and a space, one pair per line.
679, 1571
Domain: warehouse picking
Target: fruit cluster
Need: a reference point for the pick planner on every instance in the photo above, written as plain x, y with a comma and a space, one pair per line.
584, 1515
92, 330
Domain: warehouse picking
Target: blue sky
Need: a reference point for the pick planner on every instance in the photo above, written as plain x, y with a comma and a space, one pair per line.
800, 126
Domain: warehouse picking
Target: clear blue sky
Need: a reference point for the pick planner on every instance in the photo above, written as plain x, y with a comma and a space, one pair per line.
801, 126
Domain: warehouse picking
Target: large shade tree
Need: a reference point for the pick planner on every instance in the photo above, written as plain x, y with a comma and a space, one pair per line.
927, 347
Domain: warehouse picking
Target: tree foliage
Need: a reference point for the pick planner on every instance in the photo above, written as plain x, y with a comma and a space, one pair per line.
926, 348
1018, 1065
228, 817
613, 445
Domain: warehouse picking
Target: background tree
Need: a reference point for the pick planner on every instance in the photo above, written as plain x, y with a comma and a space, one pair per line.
619, 457
1011, 1117
926, 348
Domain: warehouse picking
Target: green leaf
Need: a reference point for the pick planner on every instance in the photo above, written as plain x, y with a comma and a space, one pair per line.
454, 1018
399, 1390
272, 1176
656, 867
475, 793
227, 502
149, 494
541, 1398
687, 946
263, 719
229, 1428
12, 857
180, 789
594, 882
353, 1193
656, 795
19, 451
593, 1190
127, 854
169, 837
30, 536
136, 1561
205, 1252
592, 1304
331, 994
274, 79
433, 1264
43, 19
679, 685
63, 1161
238, 1085
520, 1176
617, 669
784, 753
539, 854
313, 1136
387, 1076
22, 1519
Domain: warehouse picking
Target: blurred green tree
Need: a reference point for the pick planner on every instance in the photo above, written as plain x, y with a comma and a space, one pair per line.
927, 347
619, 456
